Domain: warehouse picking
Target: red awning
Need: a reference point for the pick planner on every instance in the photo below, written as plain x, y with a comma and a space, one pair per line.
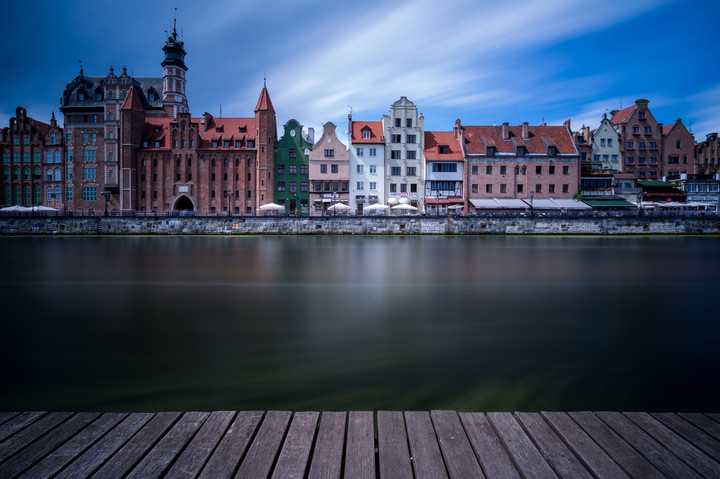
443, 201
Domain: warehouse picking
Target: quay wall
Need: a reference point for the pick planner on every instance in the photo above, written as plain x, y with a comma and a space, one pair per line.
410, 225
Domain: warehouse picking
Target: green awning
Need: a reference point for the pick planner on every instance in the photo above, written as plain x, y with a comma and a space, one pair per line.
656, 183
610, 204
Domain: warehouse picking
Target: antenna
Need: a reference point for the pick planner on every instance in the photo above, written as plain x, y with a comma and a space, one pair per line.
81, 68
265, 79
351, 111
220, 110
175, 24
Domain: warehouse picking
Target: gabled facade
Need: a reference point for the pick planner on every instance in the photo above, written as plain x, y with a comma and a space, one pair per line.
606, 148
54, 166
329, 164
292, 152
707, 154
403, 129
367, 164
678, 151
445, 173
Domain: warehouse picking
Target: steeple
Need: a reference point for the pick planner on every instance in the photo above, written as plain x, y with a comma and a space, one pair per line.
174, 69
264, 102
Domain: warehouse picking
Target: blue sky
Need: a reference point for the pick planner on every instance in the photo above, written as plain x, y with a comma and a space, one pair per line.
483, 61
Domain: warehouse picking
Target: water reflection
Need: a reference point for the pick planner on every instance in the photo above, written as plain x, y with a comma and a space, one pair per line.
469, 323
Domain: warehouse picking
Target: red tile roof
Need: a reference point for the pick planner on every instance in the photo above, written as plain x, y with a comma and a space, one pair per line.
264, 102
132, 101
229, 131
623, 115
375, 128
667, 129
477, 138
435, 139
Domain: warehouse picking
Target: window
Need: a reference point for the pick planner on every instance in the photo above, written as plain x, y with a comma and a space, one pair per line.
360, 185
48, 157
474, 170
641, 145
605, 158
641, 115
393, 188
609, 142
488, 188
303, 169
395, 171
566, 170
630, 145
411, 171
373, 151
647, 130
445, 167
678, 144
89, 155
411, 154
303, 186
631, 160
49, 195
602, 141
359, 168
566, 188
653, 145
673, 159
323, 168
293, 186
281, 186
89, 193
551, 188
292, 169
503, 169
653, 160
373, 185
366, 134
250, 143
408, 122
403, 188
520, 188
333, 168
318, 186
614, 158
26, 157
488, 170
503, 188
395, 154
226, 144
58, 174
538, 188
474, 188
293, 153
395, 139
359, 152
373, 169
48, 175
280, 169
538, 170
410, 138
89, 173
398, 122
215, 143
329, 153
641, 160
636, 130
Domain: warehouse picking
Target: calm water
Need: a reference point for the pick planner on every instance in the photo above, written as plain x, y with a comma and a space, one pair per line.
340, 323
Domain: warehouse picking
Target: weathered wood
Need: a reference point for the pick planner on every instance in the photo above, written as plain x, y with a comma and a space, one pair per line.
556, 453
660, 457
159, 458
699, 461
427, 460
714, 416
521, 449
133, 450
31, 433
327, 457
393, 453
226, 457
699, 438
703, 422
193, 458
45, 444
18, 422
460, 459
91, 459
295, 453
6, 416
590, 454
360, 446
73, 448
489, 450
264, 448
627, 457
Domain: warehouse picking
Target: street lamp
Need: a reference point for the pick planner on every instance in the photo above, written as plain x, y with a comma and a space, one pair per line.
229, 195
334, 195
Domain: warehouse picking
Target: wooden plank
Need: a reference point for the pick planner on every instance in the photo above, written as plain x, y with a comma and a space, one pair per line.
703, 422
660, 457
691, 433
17, 423
490, 452
133, 450
556, 453
460, 459
32, 432
264, 448
521, 449
193, 458
627, 457
232, 447
45, 444
393, 453
295, 453
679, 446
73, 448
360, 447
587, 450
327, 457
159, 458
714, 416
6, 416
91, 459
427, 460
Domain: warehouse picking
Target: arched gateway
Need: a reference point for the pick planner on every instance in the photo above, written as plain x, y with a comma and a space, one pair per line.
183, 203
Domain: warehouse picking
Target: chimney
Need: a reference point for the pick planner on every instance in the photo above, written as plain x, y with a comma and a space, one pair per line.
311, 135
209, 121
642, 102
506, 131
525, 133
456, 130
586, 133
566, 124
613, 113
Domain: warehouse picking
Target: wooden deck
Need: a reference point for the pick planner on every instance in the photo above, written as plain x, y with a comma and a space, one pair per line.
387, 444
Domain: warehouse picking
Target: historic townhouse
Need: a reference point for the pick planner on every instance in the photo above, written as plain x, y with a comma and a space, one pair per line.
678, 151
329, 171
367, 164
606, 148
707, 155
583, 144
519, 162
444, 175
292, 180
24, 145
54, 167
403, 129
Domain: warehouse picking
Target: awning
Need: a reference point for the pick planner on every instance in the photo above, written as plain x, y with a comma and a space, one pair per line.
498, 203
557, 204
610, 204
442, 201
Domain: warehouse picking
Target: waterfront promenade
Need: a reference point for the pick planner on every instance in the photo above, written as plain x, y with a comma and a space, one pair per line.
386, 444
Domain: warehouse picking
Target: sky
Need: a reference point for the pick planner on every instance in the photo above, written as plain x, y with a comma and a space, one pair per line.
482, 61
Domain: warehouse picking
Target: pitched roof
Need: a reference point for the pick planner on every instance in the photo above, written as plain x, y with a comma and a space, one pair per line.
223, 129
264, 102
435, 139
375, 128
132, 101
42, 127
477, 138
623, 115
667, 129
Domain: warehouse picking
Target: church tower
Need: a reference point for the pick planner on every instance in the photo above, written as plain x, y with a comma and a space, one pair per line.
173, 97
265, 137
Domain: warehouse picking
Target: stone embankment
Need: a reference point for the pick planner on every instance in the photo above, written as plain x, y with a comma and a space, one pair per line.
411, 225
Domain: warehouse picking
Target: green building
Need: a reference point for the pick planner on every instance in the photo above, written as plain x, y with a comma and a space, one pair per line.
291, 169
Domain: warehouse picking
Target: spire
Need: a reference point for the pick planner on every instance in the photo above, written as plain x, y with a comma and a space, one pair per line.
174, 25
264, 102
132, 102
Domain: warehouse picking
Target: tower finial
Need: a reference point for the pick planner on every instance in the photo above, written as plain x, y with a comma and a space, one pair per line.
174, 25
81, 69
265, 80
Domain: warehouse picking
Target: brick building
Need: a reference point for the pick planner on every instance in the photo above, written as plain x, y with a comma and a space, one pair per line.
32, 168
707, 154
329, 163
678, 151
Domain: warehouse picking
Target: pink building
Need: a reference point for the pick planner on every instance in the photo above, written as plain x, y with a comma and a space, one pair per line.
329, 172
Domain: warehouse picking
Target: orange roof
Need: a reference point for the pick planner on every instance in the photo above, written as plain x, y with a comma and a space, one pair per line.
623, 115
132, 101
667, 129
477, 138
435, 139
374, 127
264, 102
230, 131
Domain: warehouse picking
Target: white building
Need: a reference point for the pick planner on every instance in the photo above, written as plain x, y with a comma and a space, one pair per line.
367, 164
606, 147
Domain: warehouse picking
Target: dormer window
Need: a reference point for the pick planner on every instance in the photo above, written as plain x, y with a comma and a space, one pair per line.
443, 149
242, 129
81, 96
521, 150
552, 150
238, 143
366, 134
98, 96
251, 143
215, 144
145, 144
157, 144
157, 129
226, 144
151, 95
